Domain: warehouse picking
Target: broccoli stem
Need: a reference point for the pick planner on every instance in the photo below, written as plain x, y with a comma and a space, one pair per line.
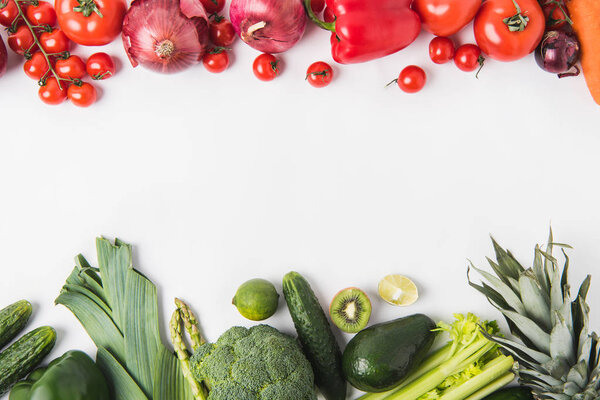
182, 354
191, 324
492, 387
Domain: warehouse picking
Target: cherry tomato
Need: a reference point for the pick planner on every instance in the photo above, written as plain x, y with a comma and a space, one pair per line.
266, 67
82, 94
8, 12
441, 50
411, 79
525, 18
70, 68
42, 14
51, 93
319, 74
446, 17
213, 6
468, 57
556, 13
328, 15
221, 32
36, 67
21, 41
54, 42
317, 5
215, 60
91, 22
100, 66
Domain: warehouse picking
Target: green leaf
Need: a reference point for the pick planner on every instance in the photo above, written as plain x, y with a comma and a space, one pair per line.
561, 341
169, 380
534, 301
509, 265
540, 339
122, 385
504, 290
539, 271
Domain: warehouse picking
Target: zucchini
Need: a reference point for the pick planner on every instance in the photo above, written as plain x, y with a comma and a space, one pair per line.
20, 358
315, 336
12, 320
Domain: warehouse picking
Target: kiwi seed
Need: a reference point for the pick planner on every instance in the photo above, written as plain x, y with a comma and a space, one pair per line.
350, 310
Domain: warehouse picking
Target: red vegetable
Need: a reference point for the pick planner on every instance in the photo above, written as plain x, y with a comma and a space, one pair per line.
213, 6
165, 35
52, 93
468, 57
215, 60
54, 42
441, 50
266, 67
319, 74
3, 57
82, 94
72, 67
270, 26
91, 22
42, 14
8, 13
558, 52
36, 67
100, 66
411, 79
446, 17
221, 32
366, 30
21, 41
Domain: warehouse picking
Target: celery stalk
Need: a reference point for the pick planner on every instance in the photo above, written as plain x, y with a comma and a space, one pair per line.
492, 387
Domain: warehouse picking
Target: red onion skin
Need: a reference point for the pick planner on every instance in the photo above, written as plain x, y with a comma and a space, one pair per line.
175, 29
558, 51
3, 57
284, 23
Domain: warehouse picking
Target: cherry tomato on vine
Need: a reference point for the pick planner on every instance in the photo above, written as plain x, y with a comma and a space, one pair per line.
221, 32
328, 15
54, 42
213, 6
317, 5
70, 68
411, 79
36, 67
215, 60
51, 93
446, 17
266, 67
91, 22
319, 74
8, 12
468, 57
82, 94
100, 66
556, 13
42, 14
441, 50
507, 30
21, 41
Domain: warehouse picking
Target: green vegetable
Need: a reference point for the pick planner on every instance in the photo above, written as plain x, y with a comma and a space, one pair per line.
24, 355
513, 393
118, 307
13, 319
379, 357
469, 367
73, 376
256, 299
259, 363
315, 335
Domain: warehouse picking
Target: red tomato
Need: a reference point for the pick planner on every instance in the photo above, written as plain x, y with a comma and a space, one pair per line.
441, 50
319, 74
8, 13
51, 93
71, 68
42, 14
213, 6
100, 66
556, 13
82, 94
328, 15
91, 22
468, 57
446, 17
317, 5
411, 79
266, 67
54, 42
21, 41
215, 60
493, 35
36, 67
221, 32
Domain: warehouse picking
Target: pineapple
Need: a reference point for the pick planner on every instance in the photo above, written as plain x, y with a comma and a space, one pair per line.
558, 356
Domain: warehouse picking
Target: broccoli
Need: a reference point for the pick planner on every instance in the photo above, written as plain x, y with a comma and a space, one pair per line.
259, 363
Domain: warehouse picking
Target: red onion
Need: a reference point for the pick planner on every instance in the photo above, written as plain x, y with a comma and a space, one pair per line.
558, 52
3, 57
270, 26
165, 35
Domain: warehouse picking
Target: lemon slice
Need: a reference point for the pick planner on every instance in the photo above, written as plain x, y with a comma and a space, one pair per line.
398, 290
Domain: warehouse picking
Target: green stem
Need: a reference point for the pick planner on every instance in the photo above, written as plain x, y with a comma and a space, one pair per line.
191, 324
518, 22
330, 26
492, 387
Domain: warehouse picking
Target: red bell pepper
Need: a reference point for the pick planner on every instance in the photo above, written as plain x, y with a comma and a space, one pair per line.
368, 29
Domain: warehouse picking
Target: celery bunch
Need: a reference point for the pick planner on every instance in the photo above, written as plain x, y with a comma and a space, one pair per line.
469, 367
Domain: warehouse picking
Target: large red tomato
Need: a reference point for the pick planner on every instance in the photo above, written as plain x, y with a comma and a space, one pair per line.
507, 30
446, 17
91, 22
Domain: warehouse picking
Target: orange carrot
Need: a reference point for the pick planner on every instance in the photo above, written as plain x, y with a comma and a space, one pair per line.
586, 22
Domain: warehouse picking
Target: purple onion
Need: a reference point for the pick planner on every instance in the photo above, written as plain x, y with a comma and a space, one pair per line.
3, 57
270, 26
558, 52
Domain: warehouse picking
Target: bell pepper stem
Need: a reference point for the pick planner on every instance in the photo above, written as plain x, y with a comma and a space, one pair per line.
330, 26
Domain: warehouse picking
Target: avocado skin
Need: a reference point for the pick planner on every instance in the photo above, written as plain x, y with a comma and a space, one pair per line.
512, 393
378, 358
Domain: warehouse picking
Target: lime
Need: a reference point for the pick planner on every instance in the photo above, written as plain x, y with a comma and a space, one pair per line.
398, 290
256, 299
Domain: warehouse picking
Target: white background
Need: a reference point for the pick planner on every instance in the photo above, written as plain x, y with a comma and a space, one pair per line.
216, 179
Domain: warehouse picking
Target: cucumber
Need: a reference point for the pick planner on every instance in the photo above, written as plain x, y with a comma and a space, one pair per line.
24, 355
12, 320
512, 393
315, 336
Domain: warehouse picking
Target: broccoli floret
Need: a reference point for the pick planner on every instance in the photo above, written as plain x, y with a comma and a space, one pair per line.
259, 363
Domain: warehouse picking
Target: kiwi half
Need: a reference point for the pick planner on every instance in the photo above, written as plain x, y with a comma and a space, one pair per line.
350, 310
